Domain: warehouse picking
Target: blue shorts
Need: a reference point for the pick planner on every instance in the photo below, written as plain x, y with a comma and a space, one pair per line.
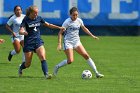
32, 47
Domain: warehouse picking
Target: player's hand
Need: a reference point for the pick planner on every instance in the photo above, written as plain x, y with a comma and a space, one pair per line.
14, 34
59, 47
2, 41
62, 28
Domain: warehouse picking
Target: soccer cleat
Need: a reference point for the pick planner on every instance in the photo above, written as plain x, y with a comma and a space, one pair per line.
55, 70
98, 75
19, 71
48, 76
10, 56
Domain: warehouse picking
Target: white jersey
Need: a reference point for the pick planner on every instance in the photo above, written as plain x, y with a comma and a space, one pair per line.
72, 29
15, 22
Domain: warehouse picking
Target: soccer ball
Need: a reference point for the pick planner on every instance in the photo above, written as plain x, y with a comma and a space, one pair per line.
86, 74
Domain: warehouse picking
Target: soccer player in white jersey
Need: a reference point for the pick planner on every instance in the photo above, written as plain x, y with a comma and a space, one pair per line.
13, 26
72, 42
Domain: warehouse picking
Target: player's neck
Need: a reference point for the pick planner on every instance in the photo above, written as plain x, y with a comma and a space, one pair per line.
32, 17
18, 15
73, 19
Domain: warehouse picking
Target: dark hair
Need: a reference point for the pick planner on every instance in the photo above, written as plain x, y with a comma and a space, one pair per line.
16, 7
73, 9
30, 9
14, 11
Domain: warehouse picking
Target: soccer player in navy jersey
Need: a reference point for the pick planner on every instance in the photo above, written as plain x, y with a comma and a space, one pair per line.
72, 42
32, 40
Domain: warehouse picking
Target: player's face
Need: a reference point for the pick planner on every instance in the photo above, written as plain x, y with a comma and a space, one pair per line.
18, 11
74, 15
34, 14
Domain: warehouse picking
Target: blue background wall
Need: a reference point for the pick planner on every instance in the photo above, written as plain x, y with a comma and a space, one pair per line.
103, 17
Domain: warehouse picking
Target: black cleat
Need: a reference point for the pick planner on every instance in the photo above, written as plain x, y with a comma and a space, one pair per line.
10, 56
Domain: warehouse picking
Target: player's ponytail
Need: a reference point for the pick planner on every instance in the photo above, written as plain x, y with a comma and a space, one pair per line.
27, 12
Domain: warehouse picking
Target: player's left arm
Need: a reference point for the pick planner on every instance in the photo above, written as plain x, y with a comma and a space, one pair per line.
88, 32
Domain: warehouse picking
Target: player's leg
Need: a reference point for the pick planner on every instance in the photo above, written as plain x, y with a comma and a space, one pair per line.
16, 50
28, 59
69, 60
42, 56
81, 50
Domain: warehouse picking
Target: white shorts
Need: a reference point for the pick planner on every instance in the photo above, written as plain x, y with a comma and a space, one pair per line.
19, 38
70, 44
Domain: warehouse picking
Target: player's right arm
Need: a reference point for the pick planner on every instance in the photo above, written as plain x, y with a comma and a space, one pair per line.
64, 25
9, 23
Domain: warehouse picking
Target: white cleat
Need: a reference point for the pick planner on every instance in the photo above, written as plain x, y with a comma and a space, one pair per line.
48, 76
98, 75
55, 70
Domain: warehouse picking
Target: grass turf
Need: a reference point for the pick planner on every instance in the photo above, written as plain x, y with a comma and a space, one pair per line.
116, 57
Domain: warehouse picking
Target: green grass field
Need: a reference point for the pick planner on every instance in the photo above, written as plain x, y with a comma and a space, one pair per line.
118, 58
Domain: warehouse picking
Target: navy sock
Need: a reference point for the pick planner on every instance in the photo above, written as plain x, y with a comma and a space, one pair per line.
44, 67
22, 66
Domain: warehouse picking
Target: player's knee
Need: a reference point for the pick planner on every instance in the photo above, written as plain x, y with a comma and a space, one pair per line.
42, 57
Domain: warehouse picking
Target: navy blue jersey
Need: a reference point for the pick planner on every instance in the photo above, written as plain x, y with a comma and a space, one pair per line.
33, 40
32, 27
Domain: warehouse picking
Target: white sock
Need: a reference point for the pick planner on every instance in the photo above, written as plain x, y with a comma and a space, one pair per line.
62, 63
13, 52
92, 65
23, 57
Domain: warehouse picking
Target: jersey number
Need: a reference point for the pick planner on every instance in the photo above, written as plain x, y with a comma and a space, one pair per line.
35, 29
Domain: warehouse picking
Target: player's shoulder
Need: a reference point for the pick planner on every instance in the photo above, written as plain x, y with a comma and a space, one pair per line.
23, 15
79, 19
38, 18
67, 20
26, 18
12, 17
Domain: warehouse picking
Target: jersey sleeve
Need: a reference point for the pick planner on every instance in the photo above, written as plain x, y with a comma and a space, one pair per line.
42, 20
65, 24
81, 22
10, 21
